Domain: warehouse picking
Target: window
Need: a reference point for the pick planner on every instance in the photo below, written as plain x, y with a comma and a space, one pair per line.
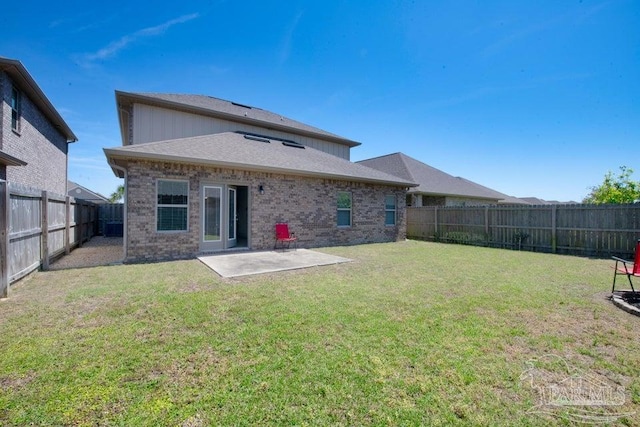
173, 197
390, 210
15, 109
344, 209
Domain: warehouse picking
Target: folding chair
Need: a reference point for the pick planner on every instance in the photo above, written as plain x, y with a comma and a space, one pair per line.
284, 236
628, 268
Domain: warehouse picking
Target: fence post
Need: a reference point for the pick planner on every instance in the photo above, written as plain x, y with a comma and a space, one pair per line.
486, 223
4, 239
435, 220
554, 234
79, 223
67, 225
44, 227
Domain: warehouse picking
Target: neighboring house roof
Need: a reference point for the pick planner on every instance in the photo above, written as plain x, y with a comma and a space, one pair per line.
247, 152
215, 107
510, 200
83, 193
537, 201
430, 180
504, 199
28, 85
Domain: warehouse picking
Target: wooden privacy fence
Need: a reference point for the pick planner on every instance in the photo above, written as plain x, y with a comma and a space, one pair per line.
586, 230
36, 227
108, 215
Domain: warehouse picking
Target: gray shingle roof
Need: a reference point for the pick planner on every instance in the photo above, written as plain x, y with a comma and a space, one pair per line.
235, 150
429, 179
221, 108
80, 192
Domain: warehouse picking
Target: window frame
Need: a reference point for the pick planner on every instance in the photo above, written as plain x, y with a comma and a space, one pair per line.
165, 205
394, 210
349, 209
15, 104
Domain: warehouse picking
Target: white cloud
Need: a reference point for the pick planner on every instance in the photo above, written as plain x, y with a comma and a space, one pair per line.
116, 46
285, 48
89, 163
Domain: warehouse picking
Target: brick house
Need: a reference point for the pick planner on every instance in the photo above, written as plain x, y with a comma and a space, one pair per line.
203, 174
33, 136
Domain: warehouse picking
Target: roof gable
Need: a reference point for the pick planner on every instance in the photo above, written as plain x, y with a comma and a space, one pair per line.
252, 152
429, 179
228, 110
23, 80
80, 192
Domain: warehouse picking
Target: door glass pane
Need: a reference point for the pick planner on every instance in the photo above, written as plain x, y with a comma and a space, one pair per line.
212, 213
232, 214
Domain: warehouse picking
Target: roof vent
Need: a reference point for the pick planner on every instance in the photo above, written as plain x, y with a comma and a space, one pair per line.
292, 144
241, 105
257, 138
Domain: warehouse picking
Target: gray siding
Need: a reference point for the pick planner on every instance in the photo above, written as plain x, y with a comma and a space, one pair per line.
157, 124
38, 143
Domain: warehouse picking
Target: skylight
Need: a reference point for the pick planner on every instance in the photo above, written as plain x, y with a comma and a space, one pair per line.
241, 105
257, 138
292, 144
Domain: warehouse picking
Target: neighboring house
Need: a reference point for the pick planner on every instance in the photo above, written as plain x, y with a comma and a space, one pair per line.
33, 136
435, 187
537, 201
505, 199
79, 192
203, 174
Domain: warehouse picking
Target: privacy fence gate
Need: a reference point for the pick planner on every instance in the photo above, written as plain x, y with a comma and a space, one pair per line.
585, 230
36, 227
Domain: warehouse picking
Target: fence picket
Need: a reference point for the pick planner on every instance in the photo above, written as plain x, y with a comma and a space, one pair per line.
586, 230
35, 227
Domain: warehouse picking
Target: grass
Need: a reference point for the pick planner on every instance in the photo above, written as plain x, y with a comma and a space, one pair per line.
409, 333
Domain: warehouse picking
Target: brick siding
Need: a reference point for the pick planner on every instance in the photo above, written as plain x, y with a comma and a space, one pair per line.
307, 204
39, 144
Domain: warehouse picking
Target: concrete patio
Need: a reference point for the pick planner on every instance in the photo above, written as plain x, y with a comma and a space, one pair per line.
247, 263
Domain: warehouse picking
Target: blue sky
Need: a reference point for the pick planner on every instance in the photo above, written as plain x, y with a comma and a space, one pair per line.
528, 98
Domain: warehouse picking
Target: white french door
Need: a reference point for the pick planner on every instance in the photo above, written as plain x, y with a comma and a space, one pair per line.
232, 218
219, 217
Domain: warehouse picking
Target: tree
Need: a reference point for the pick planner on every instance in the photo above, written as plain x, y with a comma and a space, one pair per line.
618, 189
117, 195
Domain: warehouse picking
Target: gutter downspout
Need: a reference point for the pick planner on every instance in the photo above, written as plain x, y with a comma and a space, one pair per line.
124, 225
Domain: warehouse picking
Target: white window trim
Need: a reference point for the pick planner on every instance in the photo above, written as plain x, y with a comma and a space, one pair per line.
171, 206
394, 210
345, 209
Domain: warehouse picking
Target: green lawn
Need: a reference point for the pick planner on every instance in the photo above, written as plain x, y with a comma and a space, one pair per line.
409, 333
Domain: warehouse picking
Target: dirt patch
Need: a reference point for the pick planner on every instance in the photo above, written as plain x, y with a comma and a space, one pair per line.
96, 252
14, 382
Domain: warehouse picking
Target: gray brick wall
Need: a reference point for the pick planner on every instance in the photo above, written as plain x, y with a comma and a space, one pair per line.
38, 143
307, 204
3, 84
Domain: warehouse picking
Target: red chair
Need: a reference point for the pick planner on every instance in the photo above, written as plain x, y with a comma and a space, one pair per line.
284, 236
628, 268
